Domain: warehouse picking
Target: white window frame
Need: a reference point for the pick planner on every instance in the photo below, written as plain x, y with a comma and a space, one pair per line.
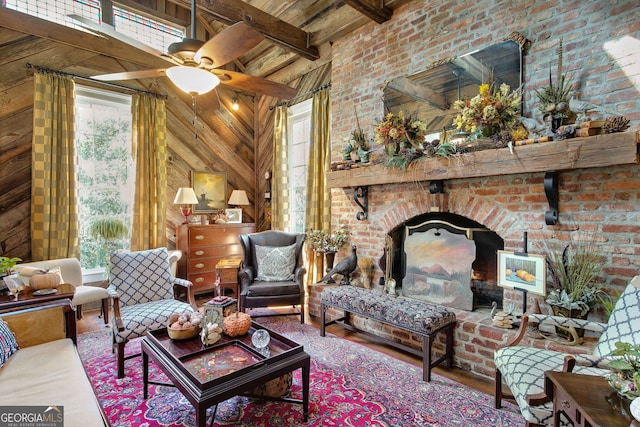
299, 146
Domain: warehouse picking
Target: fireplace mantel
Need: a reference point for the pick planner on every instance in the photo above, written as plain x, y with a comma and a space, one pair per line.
577, 153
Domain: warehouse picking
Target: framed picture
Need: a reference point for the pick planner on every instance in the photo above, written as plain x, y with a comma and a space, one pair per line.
522, 271
234, 215
211, 189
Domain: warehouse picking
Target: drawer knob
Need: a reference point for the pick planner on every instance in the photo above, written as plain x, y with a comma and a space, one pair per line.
199, 280
199, 237
199, 253
565, 404
199, 265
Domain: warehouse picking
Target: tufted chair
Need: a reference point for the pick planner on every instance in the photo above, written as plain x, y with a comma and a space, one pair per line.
522, 368
272, 273
142, 290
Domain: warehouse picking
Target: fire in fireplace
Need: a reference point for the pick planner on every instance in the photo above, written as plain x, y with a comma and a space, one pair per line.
447, 259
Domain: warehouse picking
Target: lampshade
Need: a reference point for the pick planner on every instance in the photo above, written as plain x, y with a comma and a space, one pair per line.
192, 80
238, 198
185, 196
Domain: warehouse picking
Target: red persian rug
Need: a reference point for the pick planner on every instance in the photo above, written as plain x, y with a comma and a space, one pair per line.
351, 385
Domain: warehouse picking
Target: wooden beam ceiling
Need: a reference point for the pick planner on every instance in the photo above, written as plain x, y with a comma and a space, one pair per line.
272, 28
373, 9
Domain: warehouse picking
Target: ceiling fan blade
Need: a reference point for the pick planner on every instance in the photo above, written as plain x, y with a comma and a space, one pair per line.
131, 75
108, 30
255, 84
228, 44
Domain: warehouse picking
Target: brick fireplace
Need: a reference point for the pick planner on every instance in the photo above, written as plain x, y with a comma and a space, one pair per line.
447, 259
508, 205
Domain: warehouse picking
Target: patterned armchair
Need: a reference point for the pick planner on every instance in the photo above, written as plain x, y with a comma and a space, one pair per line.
522, 368
272, 273
142, 290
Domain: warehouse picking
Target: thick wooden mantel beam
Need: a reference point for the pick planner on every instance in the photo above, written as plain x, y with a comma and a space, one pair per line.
272, 28
577, 153
373, 9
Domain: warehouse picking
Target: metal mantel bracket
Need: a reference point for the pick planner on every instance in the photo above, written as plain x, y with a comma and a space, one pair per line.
551, 190
362, 193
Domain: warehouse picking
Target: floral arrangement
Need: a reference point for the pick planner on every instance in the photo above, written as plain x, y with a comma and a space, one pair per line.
554, 99
489, 112
400, 130
573, 269
324, 241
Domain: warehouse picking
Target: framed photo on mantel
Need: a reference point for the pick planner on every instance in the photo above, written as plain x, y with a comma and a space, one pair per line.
211, 190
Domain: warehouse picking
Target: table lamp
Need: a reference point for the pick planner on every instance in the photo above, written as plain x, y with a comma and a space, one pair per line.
185, 197
239, 198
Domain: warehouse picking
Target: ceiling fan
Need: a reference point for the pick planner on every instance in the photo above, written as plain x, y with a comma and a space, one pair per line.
196, 63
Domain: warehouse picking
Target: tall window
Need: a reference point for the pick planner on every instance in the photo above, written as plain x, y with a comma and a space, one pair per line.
105, 169
299, 139
146, 30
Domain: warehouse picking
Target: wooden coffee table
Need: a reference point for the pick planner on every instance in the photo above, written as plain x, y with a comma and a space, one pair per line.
209, 375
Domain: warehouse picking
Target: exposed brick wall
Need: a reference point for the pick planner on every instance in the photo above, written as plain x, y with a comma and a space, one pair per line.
603, 200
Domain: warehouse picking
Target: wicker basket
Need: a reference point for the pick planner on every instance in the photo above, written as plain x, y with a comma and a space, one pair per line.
236, 324
183, 334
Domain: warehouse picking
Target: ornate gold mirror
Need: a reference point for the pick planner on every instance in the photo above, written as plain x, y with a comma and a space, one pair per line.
431, 93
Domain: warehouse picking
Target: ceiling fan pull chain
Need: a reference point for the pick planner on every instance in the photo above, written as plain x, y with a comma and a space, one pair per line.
195, 116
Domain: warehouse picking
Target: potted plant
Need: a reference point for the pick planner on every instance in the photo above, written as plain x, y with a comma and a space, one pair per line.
322, 241
626, 379
553, 100
109, 229
7, 264
573, 269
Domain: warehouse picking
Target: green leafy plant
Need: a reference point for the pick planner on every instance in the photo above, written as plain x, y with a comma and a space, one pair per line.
626, 363
7, 264
108, 229
573, 269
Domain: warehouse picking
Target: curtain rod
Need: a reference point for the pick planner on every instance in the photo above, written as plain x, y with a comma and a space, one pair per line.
311, 92
89, 79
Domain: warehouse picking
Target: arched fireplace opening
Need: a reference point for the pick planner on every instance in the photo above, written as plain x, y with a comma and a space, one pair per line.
447, 259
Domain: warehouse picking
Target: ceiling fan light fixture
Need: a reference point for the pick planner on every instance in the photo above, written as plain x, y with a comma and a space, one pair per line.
192, 80
235, 105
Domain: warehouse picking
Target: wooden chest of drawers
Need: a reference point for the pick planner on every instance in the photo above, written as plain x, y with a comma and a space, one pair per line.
203, 246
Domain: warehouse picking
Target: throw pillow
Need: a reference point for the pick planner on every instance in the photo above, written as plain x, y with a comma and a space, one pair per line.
275, 263
8, 344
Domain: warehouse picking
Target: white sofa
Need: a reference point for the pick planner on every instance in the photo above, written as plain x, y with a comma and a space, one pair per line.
47, 370
72, 274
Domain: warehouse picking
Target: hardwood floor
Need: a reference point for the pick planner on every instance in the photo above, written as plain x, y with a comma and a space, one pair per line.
91, 321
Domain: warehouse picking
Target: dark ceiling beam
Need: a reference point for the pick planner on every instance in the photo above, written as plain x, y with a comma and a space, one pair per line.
272, 28
373, 9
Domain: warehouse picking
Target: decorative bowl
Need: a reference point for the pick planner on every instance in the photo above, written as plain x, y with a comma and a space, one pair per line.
183, 334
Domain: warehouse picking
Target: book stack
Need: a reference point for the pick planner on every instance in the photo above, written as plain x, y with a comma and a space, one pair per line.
589, 128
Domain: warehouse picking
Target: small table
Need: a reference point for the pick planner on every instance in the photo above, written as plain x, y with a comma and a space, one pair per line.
228, 374
586, 401
27, 298
228, 270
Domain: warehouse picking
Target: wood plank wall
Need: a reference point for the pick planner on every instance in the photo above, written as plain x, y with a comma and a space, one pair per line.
237, 143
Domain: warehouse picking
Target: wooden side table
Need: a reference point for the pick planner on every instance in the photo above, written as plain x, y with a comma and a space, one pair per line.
228, 268
586, 401
27, 298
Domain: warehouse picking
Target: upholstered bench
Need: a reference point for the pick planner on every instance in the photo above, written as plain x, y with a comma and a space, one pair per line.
410, 314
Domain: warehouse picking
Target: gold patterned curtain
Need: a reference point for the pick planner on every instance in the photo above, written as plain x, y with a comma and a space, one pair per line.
318, 212
280, 187
150, 153
54, 210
